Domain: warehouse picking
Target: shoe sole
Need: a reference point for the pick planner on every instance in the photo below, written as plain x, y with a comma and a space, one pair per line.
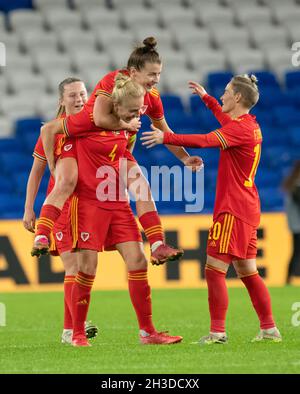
39, 252
170, 343
91, 332
177, 256
76, 345
275, 340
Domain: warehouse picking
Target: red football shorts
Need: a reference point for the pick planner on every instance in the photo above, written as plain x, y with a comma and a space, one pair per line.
231, 239
95, 228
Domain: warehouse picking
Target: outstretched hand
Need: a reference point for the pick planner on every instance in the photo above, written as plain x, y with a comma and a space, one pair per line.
197, 89
152, 138
194, 162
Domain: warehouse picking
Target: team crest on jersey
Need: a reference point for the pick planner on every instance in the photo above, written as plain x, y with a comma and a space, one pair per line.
59, 236
85, 236
68, 147
116, 132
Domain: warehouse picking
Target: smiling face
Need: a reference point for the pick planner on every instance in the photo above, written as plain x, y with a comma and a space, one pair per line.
130, 108
148, 76
74, 97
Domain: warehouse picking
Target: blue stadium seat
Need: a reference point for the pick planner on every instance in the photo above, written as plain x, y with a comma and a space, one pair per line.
28, 125
9, 201
271, 199
29, 140
218, 79
14, 162
264, 117
181, 121
10, 145
267, 178
292, 79
273, 136
267, 79
271, 97
172, 102
206, 121
217, 82
286, 115
294, 134
7, 6
277, 156
196, 104
6, 184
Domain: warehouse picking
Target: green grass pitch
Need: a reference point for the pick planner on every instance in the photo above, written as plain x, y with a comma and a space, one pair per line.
30, 341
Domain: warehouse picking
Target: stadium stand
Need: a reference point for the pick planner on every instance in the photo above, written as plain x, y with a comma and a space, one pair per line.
46, 41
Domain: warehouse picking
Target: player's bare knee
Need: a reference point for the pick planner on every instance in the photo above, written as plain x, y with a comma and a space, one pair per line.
65, 185
137, 261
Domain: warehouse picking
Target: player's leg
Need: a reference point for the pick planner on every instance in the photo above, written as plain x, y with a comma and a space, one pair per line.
217, 264
246, 270
81, 294
215, 274
70, 262
148, 216
66, 175
140, 293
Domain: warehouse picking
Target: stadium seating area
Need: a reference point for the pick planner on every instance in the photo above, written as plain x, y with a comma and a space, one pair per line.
208, 41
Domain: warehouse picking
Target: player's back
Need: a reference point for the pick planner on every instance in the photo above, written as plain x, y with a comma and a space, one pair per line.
239, 159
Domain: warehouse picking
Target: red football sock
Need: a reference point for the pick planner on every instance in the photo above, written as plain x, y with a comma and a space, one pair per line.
81, 295
261, 299
151, 224
68, 286
140, 294
48, 216
217, 298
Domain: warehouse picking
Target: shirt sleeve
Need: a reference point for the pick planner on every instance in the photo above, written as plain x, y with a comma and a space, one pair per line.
209, 140
216, 109
232, 134
106, 85
38, 152
156, 110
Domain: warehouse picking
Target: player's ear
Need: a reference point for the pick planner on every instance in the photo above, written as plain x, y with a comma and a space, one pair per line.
132, 72
238, 97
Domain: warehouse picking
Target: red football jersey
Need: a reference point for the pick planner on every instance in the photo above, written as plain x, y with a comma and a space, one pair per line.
152, 101
98, 157
39, 153
240, 142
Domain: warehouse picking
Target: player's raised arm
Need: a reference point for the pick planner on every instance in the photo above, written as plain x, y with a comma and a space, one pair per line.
210, 102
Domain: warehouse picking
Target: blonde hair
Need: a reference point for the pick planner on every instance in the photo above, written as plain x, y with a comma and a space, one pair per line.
246, 85
61, 89
125, 87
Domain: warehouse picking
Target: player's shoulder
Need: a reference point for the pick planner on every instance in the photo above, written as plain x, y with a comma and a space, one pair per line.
154, 93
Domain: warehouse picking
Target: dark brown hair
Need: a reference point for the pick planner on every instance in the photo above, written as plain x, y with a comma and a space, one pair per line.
246, 85
61, 88
143, 54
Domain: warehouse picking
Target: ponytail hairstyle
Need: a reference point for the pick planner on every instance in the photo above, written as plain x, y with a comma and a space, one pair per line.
143, 54
125, 88
246, 85
61, 89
